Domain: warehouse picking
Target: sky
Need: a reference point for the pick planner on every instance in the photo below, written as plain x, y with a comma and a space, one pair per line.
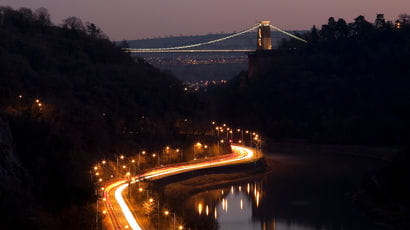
136, 19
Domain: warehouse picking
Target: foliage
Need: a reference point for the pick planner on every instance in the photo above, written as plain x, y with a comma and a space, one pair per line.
349, 84
72, 97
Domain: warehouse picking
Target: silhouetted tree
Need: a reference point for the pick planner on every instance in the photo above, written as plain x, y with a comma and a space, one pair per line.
73, 23
94, 31
42, 16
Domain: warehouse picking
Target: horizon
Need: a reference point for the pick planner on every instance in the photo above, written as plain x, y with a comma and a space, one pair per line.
132, 16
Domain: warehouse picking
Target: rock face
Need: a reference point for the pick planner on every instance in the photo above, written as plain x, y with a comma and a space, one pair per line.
13, 197
260, 63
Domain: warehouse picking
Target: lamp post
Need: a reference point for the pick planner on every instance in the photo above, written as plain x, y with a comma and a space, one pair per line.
174, 219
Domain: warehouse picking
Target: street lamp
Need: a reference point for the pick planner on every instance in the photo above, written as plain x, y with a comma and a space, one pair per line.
154, 155
166, 212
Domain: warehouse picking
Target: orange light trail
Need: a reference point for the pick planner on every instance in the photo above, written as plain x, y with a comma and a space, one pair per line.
240, 154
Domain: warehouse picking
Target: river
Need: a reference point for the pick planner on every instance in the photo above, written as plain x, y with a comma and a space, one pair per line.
302, 192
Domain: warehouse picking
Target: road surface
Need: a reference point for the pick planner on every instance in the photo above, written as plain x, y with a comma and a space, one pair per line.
120, 215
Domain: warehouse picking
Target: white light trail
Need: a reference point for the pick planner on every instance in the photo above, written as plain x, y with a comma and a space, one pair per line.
124, 207
241, 153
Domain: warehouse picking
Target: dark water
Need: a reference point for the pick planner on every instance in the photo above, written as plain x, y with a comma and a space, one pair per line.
301, 193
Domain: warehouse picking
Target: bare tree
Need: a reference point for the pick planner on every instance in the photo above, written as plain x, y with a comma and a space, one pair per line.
42, 16
94, 31
73, 23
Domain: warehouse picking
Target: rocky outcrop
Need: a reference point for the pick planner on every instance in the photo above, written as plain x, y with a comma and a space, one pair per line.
14, 194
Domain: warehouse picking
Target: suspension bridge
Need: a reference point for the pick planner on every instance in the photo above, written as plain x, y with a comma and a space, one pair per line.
264, 42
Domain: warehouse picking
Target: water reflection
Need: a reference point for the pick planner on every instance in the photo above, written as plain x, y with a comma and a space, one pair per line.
311, 196
255, 207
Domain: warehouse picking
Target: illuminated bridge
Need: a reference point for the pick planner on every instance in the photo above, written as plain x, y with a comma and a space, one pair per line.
264, 42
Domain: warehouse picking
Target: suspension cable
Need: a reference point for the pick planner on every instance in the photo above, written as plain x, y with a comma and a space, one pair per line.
289, 34
194, 45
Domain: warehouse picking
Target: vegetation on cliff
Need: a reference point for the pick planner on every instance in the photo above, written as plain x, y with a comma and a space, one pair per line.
349, 84
69, 97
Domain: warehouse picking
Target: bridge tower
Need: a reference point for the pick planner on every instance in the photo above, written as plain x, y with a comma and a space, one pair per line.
264, 41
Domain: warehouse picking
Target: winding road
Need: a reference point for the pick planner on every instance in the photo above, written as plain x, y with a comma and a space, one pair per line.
118, 211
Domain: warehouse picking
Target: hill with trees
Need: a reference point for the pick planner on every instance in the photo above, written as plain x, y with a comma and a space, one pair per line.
347, 85
69, 96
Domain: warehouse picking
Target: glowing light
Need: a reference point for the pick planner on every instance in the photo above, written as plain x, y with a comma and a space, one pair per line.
125, 210
166, 213
207, 210
104, 162
257, 199
239, 154
216, 214
122, 157
241, 204
200, 208
140, 189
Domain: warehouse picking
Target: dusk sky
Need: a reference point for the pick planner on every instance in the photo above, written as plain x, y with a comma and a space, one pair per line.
133, 19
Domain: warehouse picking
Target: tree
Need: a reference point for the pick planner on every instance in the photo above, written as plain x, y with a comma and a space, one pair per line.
361, 27
94, 31
404, 18
73, 23
42, 16
342, 30
314, 34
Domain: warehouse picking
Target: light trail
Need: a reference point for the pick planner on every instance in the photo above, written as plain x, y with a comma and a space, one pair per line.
124, 207
240, 154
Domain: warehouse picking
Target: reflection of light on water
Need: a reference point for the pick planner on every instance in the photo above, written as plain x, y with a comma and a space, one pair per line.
207, 209
200, 208
216, 214
231, 189
240, 188
257, 199
241, 204
222, 191
248, 188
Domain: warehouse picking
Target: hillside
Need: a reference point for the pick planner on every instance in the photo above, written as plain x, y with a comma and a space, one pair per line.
348, 85
69, 96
